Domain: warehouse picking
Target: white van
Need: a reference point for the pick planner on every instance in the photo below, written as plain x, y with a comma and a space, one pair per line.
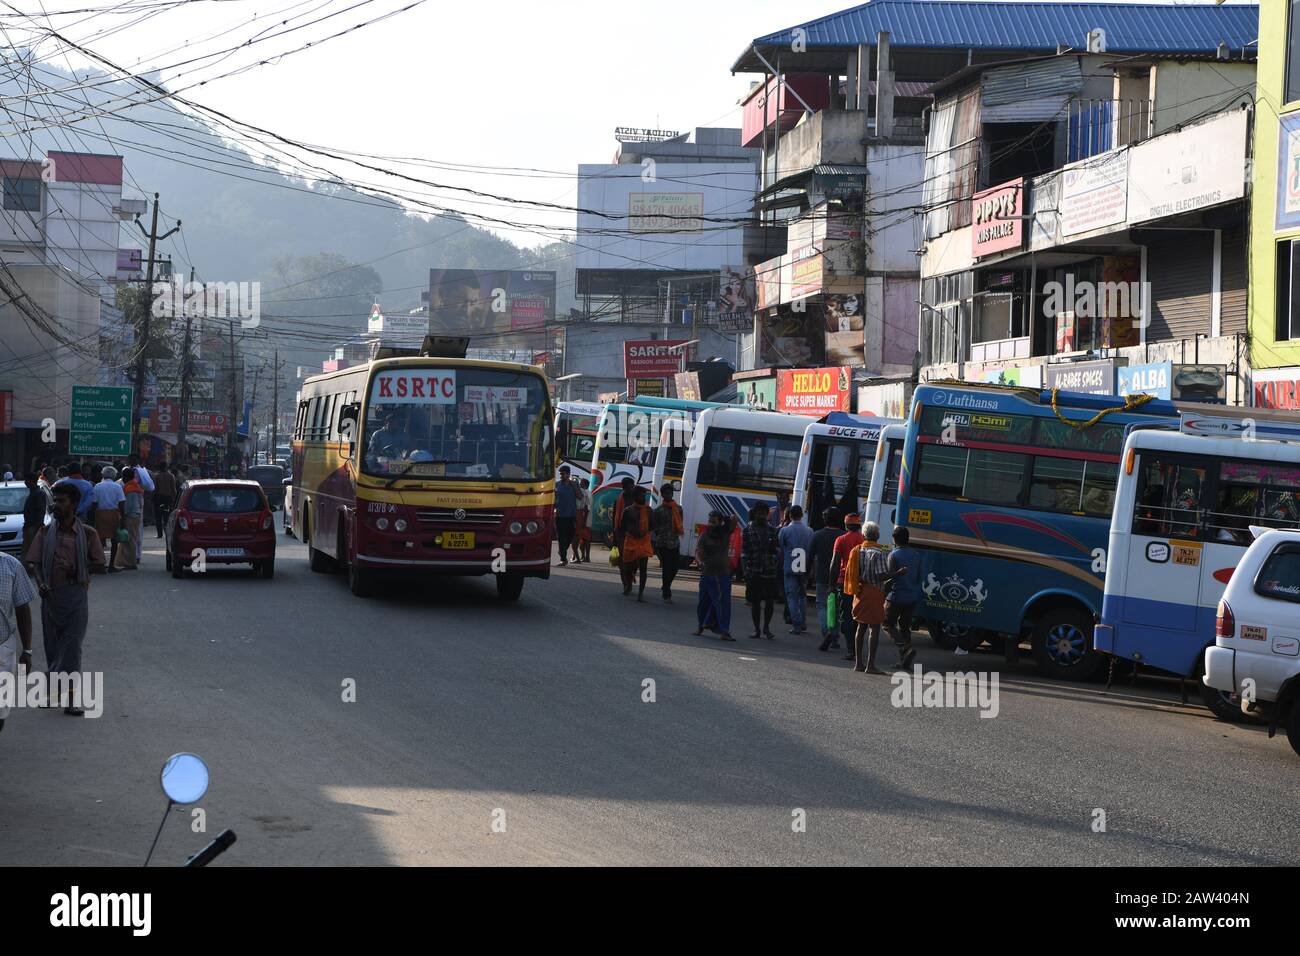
1256, 654
737, 458
836, 463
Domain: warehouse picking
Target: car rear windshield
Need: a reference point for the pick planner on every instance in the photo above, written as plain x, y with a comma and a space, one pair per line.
1280, 576
225, 500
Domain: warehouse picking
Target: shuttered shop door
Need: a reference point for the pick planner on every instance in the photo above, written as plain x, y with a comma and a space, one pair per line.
1232, 313
1179, 273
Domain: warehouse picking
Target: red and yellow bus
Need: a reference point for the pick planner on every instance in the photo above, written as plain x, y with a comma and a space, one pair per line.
429, 465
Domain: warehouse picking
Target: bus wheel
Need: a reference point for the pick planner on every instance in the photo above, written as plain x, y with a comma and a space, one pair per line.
1063, 644
361, 581
1293, 727
947, 635
319, 561
510, 586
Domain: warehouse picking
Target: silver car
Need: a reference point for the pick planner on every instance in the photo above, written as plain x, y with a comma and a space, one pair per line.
13, 495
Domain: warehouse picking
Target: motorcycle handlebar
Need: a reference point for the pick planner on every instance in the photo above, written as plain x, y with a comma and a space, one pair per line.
213, 850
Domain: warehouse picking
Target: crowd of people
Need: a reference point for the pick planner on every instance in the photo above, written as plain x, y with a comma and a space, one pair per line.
72, 513
861, 588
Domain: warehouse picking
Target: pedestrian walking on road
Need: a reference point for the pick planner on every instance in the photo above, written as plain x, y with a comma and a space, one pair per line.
566, 513
666, 524
867, 578
109, 511
145, 481
760, 557
713, 553
582, 526
164, 497
844, 545
904, 568
637, 545
620, 504
35, 510
796, 550
85, 499
61, 560
16, 595
128, 555
823, 555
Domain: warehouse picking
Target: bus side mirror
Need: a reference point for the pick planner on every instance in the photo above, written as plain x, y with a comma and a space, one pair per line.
348, 424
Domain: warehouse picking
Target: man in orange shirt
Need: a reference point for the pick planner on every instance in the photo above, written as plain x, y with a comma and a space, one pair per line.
844, 545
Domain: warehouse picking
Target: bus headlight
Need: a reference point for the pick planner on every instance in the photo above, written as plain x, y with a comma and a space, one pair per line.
399, 524
533, 527
381, 524
516, 527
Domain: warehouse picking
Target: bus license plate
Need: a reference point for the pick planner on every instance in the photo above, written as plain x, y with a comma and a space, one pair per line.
458, 540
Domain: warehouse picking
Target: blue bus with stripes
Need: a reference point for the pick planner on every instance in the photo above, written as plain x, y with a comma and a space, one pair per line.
1008, 493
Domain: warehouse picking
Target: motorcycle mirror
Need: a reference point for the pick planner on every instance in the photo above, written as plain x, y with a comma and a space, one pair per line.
185, 778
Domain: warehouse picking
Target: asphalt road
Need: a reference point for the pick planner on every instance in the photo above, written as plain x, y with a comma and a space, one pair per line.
484, 733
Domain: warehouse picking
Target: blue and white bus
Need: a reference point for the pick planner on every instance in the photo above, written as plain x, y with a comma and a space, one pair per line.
1183, 511
1008, 493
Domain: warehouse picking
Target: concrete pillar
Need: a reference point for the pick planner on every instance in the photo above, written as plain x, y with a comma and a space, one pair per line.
884, 88
864, 76
851, 84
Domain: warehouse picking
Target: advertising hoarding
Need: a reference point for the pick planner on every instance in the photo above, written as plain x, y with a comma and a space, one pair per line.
1288, 172
995, 213
665, 212
652, 358
1096, 378
1094, 192
813, 391
481, 303
1199, 166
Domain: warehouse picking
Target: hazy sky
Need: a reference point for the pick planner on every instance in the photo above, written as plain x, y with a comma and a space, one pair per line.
514, 84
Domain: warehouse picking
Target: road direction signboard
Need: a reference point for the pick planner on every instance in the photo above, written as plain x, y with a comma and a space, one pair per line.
101, 420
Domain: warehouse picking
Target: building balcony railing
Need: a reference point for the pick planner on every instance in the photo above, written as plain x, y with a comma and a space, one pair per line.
1095, 126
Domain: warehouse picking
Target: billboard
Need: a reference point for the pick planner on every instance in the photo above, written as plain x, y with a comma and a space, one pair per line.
1277, 387
1096, 378
736, 299
813, 391
1200, 166
652, 358
476, 302
665, 212
1171, 380
995, 213
845, 329
1288, 172
1094, 192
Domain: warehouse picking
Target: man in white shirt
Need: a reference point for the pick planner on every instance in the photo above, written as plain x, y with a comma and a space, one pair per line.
16, 595
110, 509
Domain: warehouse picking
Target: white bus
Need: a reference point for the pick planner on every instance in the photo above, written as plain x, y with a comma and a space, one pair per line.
737, 458
576, 428
1184, 505
882, 496
836, 464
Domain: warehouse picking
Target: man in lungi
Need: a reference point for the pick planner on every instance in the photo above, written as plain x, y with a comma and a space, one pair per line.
61, 560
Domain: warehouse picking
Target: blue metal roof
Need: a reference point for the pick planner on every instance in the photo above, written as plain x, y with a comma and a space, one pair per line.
992, 24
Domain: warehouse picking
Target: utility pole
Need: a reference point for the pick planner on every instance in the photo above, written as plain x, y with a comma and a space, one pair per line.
182, 449
252, 408
142, 327
234, 401
275, 405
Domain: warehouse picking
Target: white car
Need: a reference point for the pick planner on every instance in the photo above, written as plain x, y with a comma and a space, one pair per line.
13, 495
1257, 643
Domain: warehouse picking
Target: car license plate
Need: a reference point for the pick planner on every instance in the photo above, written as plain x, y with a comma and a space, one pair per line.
458, 540
225, 552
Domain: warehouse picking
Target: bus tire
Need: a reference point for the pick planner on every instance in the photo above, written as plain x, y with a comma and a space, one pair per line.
1063, 644
945, 635
361, 581
1293, 726
318, 561
510, 586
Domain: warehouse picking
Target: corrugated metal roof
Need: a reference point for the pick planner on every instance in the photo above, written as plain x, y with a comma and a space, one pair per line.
992, 24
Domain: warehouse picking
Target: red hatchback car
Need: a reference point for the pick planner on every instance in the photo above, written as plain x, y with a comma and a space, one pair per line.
230, 520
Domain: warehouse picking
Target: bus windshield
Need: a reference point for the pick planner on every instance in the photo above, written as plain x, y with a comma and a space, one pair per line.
463, 423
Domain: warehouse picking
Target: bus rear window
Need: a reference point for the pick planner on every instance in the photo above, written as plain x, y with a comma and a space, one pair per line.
1279, 578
